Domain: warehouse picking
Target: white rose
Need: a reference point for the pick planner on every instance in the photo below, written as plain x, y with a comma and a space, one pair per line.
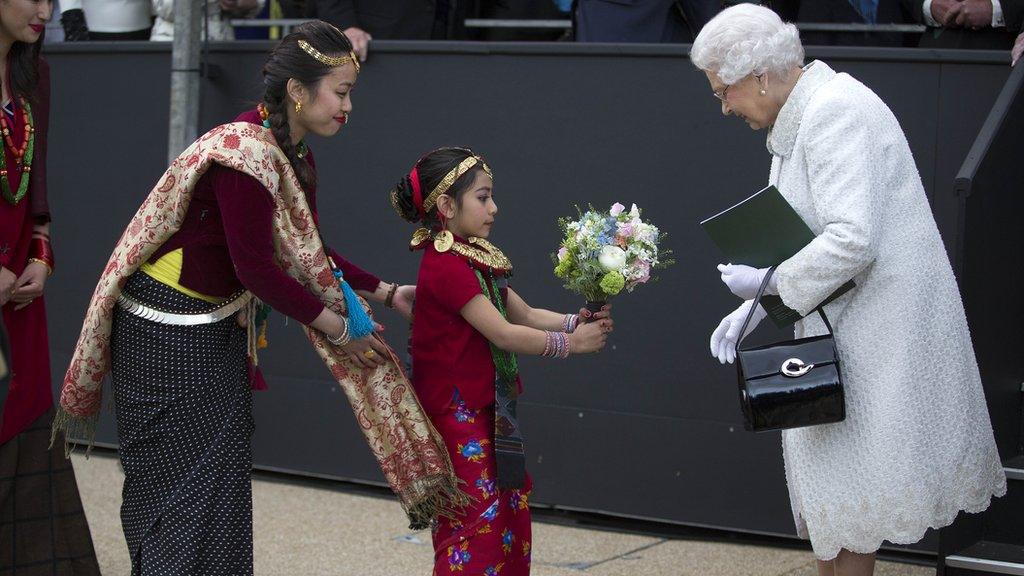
612, 258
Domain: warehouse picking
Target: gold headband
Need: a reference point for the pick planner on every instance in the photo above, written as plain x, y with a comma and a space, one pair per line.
332, 61
451, 177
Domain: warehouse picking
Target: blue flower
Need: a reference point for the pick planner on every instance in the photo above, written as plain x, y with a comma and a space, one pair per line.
491, 513
472, 450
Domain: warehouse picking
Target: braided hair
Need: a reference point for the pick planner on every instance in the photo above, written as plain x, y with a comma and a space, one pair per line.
430, 170
288, 60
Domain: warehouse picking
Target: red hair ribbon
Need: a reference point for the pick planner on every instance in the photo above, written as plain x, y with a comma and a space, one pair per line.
417, 190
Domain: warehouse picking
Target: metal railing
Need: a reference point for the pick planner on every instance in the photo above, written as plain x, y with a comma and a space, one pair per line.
288, 23
807, 26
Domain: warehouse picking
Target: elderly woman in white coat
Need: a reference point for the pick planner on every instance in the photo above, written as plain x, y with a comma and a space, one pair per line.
916, 447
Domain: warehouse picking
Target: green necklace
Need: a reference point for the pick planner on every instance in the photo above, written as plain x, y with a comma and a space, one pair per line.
504, 361
24, 158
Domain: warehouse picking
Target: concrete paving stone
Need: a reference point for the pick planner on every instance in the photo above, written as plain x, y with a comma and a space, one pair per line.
699, 558
573, 548
308, 530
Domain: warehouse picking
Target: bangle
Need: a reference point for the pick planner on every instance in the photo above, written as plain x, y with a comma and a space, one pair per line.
49, 270
556, 345
570, 322
39, 249
343, 338
389, 300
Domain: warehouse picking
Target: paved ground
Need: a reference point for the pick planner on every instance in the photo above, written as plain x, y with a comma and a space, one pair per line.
304, 529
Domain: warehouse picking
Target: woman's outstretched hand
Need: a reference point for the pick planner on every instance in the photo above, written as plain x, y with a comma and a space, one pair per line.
404, 298
368, 352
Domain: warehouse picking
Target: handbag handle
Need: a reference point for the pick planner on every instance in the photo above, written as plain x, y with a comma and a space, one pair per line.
757, 302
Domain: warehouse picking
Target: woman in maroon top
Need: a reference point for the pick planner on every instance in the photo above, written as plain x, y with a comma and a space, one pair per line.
37, 483
469, 326
179, 343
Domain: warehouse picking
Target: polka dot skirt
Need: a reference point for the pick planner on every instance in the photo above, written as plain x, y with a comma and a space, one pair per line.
184, 423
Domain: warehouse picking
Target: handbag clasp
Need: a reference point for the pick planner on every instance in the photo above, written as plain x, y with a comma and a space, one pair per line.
795, 367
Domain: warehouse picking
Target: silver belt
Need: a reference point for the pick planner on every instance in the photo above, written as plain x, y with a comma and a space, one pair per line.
225, 310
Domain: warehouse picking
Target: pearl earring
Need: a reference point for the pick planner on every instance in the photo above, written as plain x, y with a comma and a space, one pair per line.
763, 92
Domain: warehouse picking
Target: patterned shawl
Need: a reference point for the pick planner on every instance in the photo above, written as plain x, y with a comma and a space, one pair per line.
410, 452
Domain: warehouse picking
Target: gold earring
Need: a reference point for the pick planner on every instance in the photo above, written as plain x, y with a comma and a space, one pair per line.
298, 105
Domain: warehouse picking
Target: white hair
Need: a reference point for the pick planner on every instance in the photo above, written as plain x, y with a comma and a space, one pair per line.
745, 39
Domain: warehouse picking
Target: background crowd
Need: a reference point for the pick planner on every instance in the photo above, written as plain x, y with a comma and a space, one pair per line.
975, 24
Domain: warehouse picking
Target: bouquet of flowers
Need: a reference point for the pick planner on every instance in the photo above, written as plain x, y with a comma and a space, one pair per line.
604, 253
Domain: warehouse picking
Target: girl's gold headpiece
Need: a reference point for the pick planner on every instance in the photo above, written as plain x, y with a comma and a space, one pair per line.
451, 177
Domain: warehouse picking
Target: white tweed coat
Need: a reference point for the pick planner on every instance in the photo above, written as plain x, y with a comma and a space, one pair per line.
916, 446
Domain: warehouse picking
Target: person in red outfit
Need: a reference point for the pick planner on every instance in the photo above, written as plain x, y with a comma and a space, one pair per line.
181, 342
469, 325
50, 525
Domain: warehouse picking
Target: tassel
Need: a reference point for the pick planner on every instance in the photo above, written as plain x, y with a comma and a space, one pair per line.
253, 310
359, 323
262, 320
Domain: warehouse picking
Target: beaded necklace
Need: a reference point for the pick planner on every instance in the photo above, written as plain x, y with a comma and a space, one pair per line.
504, 361
23, 155
509, 449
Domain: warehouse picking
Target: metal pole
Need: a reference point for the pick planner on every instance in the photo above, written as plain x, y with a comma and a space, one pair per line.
185, 79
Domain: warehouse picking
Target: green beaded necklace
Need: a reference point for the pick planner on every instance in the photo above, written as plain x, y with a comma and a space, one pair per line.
504, 361
25, 164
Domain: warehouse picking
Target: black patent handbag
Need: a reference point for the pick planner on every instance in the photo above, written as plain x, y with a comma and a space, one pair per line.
789, 384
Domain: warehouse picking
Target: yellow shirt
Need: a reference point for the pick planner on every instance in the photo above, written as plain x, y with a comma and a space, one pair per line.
167, 271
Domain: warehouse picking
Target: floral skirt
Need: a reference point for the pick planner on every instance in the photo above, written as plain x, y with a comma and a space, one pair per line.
491, 537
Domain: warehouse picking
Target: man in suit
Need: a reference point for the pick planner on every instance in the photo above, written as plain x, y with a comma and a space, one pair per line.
364, 20
654, 21
848, 12
972, 24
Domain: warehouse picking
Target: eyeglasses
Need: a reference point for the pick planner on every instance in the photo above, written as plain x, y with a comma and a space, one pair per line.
724, 92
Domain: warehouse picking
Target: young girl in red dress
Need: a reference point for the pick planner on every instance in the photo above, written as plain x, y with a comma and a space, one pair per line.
468, 327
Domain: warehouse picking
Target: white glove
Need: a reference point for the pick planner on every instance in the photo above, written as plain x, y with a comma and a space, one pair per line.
723, 339
744, 281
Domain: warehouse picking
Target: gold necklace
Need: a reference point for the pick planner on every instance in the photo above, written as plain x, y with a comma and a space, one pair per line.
478, 250
483, 253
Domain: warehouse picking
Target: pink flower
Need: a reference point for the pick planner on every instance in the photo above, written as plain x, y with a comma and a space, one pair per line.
645, 272
617, 209
562, 253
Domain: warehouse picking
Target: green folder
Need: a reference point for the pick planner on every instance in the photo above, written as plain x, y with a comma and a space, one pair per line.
763, 231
